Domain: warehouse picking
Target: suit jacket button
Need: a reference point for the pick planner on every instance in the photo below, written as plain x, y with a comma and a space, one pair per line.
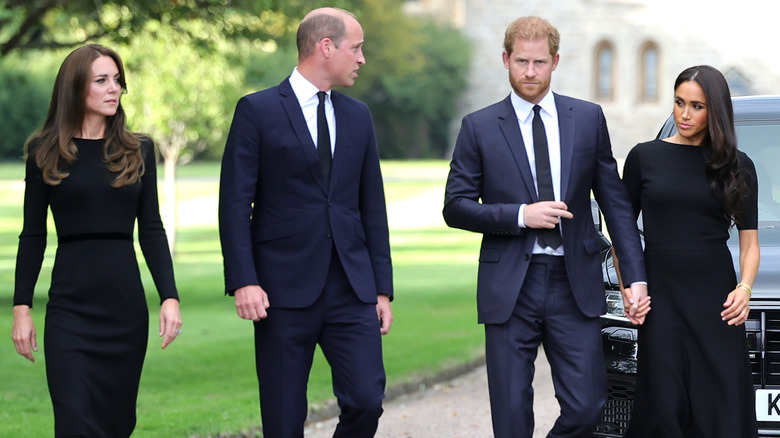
328, 235
527, 256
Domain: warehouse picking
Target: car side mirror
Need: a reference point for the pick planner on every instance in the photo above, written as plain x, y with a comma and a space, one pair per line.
596, 213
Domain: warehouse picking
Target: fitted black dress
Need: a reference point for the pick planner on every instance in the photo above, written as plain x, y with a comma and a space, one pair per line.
97, 321
693, 371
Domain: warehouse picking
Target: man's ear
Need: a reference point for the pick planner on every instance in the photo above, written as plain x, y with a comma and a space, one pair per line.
326, 47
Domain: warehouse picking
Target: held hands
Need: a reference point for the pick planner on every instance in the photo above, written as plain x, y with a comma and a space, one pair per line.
636, 303
384, 313
23, 332
170, 321
737, 307
251, 302
545, 214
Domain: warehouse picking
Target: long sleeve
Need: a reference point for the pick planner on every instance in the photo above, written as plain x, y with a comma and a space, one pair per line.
632, 178
32, 240
151, 233
465, 187
373, 212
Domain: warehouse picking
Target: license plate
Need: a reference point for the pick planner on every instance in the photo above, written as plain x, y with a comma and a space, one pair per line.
768, 404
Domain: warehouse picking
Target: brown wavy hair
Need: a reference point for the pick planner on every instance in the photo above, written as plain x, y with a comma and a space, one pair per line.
726, 183
52, 145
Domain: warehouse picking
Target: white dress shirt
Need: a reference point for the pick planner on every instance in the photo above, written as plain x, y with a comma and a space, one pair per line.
549, 115
306, 93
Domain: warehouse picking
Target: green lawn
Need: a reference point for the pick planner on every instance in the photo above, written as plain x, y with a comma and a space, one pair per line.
205, 383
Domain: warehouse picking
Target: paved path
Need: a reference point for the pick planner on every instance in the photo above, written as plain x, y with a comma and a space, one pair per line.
456, 409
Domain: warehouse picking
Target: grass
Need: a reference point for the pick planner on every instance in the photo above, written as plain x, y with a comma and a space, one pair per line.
205, 383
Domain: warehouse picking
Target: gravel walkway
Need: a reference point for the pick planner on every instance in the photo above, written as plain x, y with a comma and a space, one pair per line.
455, 409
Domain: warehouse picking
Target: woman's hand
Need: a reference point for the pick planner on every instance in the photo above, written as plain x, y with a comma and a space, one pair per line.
737, 307
636, 303
170, 321
23, 332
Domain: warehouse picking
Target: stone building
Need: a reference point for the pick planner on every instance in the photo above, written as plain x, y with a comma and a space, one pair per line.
622, 54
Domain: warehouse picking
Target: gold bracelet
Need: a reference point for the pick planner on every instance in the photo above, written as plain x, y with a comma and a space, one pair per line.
746, 288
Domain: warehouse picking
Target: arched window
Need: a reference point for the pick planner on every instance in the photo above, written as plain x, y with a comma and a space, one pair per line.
605, 71
648, 79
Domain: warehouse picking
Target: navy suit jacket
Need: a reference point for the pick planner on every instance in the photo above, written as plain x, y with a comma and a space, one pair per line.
278, 221
490, 177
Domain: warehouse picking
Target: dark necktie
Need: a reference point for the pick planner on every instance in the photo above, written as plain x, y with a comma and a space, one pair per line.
323, 138
546, 237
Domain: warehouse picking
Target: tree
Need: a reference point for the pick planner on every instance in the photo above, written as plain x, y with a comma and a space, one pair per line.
24, 99
181, 97
413, 109
52, 24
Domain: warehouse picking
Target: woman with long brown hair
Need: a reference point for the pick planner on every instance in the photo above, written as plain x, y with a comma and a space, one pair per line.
98, 179
693, 375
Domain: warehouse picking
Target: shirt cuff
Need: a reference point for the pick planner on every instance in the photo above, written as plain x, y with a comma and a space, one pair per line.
520, 221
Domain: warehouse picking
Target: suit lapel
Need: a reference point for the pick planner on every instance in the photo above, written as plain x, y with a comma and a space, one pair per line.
566, 125
301, 130
343, 130
507, 122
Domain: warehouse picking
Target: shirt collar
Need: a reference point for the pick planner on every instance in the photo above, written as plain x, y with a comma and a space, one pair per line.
303, 89
524, 109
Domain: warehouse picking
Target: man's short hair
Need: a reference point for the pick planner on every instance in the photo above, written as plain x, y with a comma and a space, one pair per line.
327, 23
531, 28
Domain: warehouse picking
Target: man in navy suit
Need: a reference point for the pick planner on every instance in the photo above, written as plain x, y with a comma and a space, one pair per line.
521, 174
304, 233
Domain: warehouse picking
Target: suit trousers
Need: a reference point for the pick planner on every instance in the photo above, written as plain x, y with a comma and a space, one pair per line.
347, 331
545, 313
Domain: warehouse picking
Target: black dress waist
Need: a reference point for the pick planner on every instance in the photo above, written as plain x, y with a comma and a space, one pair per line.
93, 236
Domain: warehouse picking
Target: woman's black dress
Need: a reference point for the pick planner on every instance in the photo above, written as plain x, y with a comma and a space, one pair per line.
97, 322
693, 371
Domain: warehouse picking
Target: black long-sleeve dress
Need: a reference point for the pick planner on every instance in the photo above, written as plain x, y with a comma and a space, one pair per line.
97, 321
693, 370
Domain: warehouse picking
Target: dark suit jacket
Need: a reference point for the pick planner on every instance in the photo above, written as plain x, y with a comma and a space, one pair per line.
490, 178
278, 220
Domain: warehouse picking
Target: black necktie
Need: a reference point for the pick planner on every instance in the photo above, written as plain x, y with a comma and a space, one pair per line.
546, 237
323, 138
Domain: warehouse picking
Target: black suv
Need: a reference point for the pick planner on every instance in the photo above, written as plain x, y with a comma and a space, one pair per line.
757, 121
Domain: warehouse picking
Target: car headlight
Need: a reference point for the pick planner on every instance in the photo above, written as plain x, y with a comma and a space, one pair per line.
614, 303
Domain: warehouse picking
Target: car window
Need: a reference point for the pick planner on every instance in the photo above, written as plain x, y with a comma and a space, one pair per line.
761, 142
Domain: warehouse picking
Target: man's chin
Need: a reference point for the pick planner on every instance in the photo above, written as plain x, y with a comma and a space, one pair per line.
529, 94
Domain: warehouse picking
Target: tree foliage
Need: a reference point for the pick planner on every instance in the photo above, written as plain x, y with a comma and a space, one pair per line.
24, 99
413, 108
51, 24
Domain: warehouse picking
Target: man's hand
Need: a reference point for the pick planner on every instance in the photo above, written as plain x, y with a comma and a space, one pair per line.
384, 313
251, 302
545, 214
636, 303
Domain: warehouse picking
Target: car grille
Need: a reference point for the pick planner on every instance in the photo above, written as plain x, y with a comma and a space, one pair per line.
617, 411
763, 338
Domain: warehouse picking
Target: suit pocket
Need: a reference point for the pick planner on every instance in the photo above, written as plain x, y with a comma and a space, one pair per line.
592, 245
264, 233
489, 255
